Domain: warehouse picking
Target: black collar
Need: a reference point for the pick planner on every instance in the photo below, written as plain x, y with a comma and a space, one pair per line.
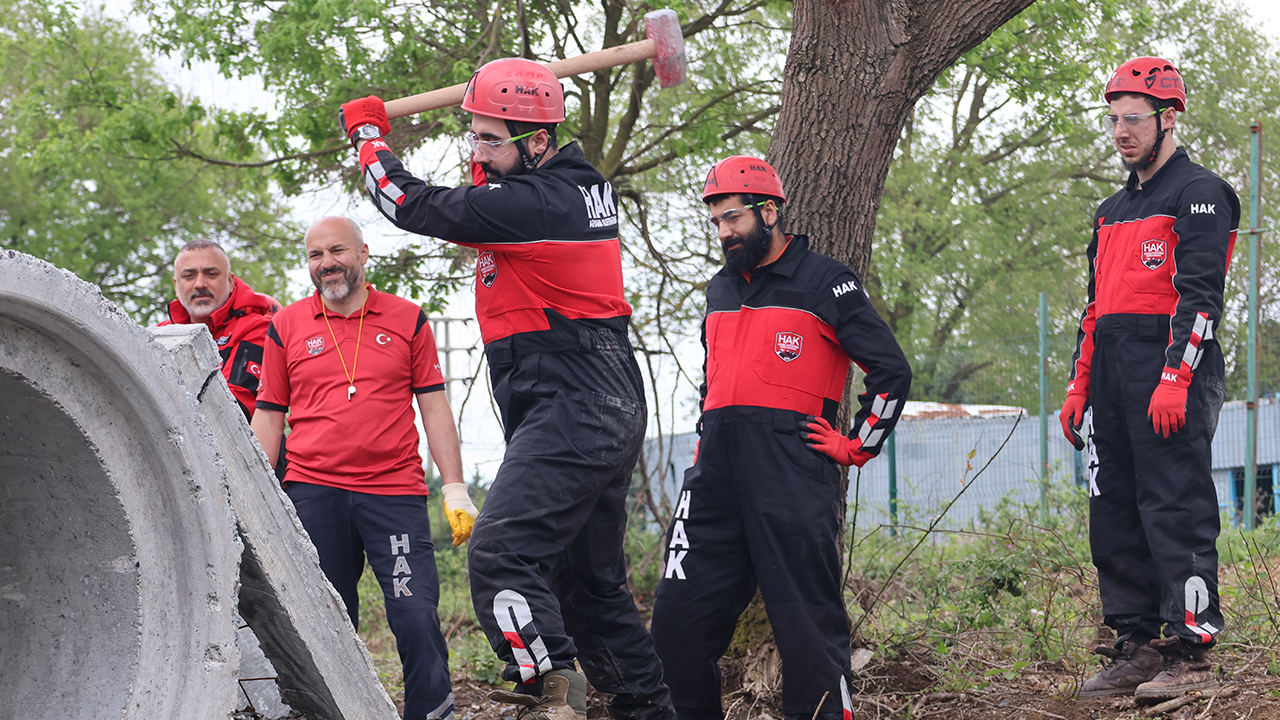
1178, 158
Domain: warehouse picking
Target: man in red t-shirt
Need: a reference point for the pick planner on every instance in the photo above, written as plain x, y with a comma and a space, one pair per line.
346, 363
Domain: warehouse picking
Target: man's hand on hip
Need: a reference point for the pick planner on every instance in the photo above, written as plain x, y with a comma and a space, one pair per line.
459, 510
818, 434
1168, 408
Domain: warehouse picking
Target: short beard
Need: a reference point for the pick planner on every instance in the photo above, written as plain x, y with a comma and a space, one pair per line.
200, 312
755, 244
351, 279
493, 174
1144, 160
1137, 165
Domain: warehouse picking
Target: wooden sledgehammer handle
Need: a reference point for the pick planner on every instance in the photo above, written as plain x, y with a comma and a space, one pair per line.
590, 62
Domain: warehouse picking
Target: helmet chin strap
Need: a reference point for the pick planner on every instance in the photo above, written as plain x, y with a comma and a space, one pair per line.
529, 162
1155, 149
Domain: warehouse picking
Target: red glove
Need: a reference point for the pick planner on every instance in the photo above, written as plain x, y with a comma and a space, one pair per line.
1072, 417
820, 436
1168, 408
365, 111
477, 174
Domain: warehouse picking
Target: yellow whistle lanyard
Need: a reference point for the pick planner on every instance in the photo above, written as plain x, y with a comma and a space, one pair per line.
351, 376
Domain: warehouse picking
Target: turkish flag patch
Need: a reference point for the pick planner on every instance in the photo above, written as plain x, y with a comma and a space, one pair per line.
1154, 253
787, 345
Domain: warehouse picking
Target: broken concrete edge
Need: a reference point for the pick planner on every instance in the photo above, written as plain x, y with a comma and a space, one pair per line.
298, 617
175, 650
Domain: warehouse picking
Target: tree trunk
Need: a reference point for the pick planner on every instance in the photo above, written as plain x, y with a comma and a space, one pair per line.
854, 71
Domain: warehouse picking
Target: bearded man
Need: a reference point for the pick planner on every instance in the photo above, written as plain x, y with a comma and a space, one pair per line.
348, 362
761, 505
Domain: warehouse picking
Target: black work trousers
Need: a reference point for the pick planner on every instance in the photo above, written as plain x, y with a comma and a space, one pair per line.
394, 532
548, 569
758, 508
1153, 506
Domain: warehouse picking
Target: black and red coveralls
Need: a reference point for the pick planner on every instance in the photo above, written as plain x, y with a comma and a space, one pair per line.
546, 554
239, 328
1157, 268
759, 507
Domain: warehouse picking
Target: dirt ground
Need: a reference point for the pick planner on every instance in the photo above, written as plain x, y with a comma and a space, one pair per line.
907, 689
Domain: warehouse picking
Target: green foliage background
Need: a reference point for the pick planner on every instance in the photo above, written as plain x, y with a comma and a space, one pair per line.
100, 163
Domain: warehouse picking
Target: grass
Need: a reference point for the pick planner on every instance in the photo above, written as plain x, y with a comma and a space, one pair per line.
959, 609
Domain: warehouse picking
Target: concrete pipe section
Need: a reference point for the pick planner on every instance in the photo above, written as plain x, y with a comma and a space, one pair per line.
130, 493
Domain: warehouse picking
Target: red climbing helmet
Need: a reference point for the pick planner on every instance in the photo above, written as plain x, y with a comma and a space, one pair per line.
743, 174
515, 89
1152, 76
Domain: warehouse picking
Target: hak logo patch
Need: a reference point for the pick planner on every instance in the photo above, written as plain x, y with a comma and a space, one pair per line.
1154, 253
315, 345
601, 210
787, 345
486, 268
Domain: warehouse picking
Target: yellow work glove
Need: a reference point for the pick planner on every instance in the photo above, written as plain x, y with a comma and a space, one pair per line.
459, 510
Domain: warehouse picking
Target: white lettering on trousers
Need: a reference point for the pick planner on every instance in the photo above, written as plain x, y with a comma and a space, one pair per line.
674, 568
401, 586
402, 566
682, 510
679, 539
678, 536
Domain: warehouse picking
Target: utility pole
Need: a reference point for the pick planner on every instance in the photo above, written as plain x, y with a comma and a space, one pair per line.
1251, 393
893, 483
445, 349
440, 327
1044, 407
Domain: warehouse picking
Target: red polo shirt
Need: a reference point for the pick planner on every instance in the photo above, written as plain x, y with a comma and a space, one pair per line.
369, 443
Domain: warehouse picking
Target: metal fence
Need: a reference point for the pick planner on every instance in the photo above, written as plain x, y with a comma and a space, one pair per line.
936, 457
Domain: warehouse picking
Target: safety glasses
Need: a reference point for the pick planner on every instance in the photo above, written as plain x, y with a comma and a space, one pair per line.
1130, 122
490, 146
731, 215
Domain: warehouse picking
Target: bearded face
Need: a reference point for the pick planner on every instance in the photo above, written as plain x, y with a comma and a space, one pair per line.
745, 249
337, 280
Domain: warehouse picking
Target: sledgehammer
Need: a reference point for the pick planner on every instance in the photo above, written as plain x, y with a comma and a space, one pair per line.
664, 43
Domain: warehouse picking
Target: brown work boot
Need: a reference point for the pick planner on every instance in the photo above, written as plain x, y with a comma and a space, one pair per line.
1132, 664
564, 697
1186, 667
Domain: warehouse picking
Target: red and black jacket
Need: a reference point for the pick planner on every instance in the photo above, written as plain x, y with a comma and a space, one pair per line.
550, 260
783, 340
239, 328
1161, 250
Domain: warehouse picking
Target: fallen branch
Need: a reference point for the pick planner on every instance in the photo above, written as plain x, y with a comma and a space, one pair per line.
877, 703
1174, 704
932, 526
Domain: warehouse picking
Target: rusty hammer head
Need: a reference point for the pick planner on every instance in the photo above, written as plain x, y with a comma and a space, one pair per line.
663, 28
